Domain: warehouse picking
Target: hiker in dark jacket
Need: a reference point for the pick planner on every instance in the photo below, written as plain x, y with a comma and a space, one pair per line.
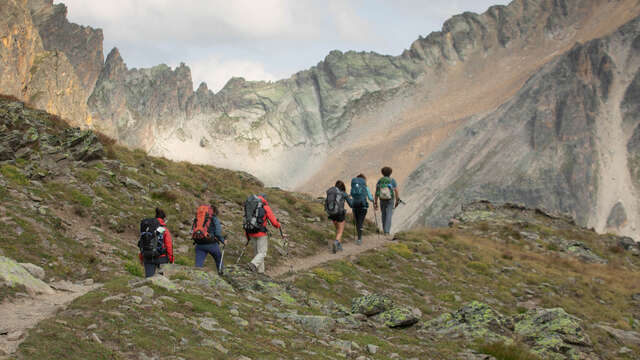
153, 264
339, 218
360, 194
210, 245
387, 192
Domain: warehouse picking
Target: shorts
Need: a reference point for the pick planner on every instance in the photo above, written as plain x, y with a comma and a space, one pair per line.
338, 217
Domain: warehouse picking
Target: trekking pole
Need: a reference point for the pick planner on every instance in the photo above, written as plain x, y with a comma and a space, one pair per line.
285, 241
221, 259
243, 250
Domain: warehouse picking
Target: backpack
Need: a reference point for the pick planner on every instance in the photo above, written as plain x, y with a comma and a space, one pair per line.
151, 242
254, 213
359, 192
334, 204
385, 190
201, 223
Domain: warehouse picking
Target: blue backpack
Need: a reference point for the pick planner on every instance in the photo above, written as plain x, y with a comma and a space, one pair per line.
359, 192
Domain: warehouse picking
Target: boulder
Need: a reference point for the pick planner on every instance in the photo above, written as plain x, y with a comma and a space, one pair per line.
14, 274
551, 332
34, 270
629, 338
371, 304
163, 282
398, 317
475, 320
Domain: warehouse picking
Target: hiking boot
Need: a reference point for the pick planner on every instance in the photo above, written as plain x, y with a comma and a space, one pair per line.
252, 267
340, 247
334, 248
359, 242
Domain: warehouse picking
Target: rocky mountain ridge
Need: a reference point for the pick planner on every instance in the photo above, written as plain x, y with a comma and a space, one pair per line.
351, 108
566, 142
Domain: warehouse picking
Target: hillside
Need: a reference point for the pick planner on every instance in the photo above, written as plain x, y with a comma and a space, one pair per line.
502, 280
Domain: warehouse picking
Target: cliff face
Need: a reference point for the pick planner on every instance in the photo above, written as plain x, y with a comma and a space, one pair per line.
40, 72
82, 45
568, 141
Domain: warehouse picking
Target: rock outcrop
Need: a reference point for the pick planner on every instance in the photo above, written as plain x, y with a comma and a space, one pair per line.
13, 274
82, 45
29, 71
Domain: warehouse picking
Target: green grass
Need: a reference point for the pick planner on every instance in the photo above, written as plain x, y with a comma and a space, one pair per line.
134, 269
502, 351
14, 175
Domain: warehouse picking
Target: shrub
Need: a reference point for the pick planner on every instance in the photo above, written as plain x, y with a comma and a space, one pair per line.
13, 174
479, 267
80, 198
502, 351
134, 269
328, 275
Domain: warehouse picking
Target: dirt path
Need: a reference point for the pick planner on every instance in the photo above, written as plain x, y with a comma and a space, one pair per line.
350, 249
23, 314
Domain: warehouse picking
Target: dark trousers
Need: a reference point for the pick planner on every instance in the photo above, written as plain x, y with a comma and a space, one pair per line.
203, 249
359, 214
150, 268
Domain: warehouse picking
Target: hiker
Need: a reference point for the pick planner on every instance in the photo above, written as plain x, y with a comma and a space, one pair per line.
360, 193
156, 247
256, 213
387, 192
206, 233
334, 206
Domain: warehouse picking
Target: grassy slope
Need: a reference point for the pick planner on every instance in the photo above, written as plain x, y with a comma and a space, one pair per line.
87, 228
89, 217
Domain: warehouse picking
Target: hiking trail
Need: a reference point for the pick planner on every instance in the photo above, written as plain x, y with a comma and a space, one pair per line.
295, 265
22, 314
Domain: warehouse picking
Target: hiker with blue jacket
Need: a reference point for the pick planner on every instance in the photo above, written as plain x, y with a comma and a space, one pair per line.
387, 192
360, 195
207, 235
334, 206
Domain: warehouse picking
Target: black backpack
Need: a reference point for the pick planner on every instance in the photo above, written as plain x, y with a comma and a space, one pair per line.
253, 215
151, 241
334, 203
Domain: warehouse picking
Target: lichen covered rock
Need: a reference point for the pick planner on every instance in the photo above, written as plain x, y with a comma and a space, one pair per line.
398, 317
371, 304
14, 274
475, 320
553, 334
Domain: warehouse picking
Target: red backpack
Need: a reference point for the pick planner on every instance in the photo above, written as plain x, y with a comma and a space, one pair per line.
200, 229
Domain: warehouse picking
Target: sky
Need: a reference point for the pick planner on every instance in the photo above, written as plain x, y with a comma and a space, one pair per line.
259, 39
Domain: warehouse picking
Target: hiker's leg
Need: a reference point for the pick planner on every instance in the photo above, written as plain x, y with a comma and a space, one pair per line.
149, 269
339, 230
360, 213
335, 223
261, 252
214, 250
386, 208
201, 254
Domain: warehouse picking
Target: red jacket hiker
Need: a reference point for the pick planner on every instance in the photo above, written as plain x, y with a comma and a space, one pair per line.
168, 245
267, 216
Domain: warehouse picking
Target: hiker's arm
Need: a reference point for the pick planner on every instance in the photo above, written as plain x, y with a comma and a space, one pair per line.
395, 191
168, 244
349, 199
271, 216
218, 230
369, 194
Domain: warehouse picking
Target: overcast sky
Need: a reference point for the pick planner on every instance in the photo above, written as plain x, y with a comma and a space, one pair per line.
259, 39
